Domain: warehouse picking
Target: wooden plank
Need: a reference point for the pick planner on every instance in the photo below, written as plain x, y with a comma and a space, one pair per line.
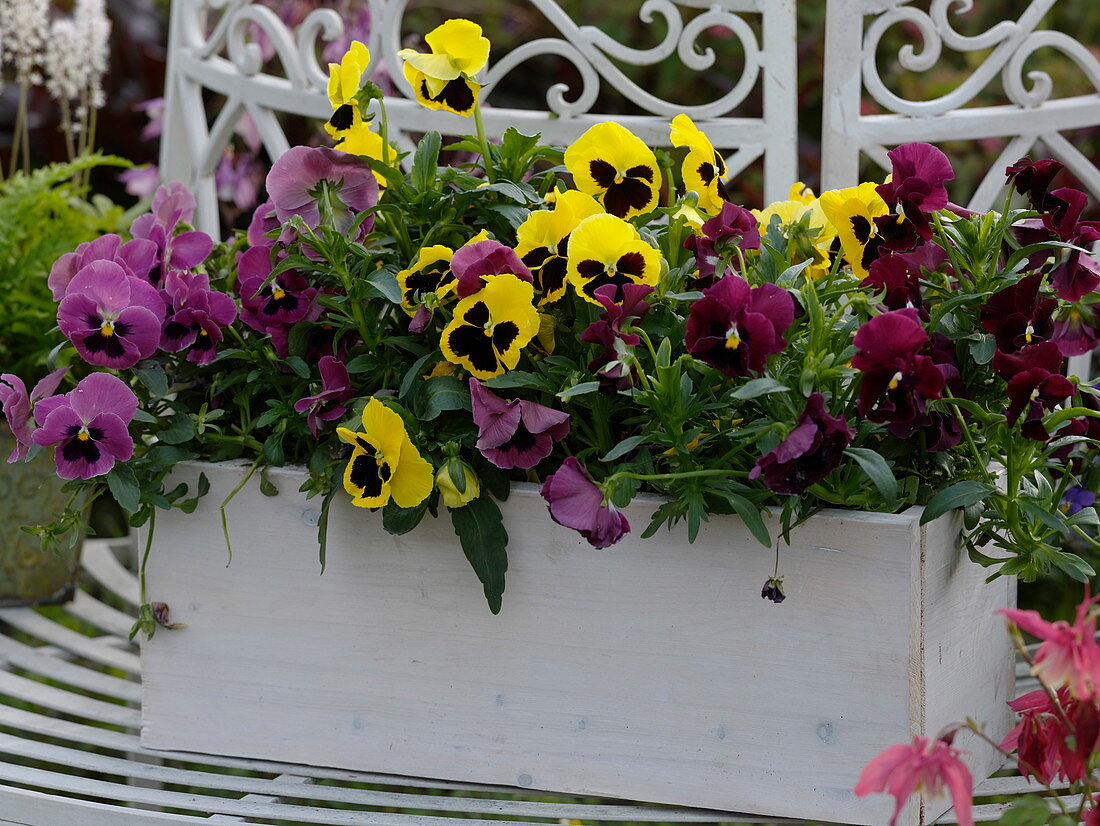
650, 670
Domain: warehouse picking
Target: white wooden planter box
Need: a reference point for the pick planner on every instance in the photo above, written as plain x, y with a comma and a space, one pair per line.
651, 670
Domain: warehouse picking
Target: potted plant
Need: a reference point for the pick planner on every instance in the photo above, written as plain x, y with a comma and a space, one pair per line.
545, 353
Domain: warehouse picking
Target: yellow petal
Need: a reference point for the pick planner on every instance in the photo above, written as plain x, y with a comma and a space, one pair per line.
613, 248
462, 42
603, 159
384, 429
412, 478
357, 498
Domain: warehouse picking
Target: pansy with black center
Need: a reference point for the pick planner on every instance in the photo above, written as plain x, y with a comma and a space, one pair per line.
703, 168
444, 78
344, 79
852, 212
491, 326
542, 241
616, 168
384, 462
605, 250
429, 274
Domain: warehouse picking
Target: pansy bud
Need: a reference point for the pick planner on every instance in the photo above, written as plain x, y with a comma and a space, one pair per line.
457, 484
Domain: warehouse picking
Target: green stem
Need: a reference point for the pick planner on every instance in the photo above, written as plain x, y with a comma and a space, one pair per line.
225, 504
486, 158
384, 121
978, 461
145, 554
685, 474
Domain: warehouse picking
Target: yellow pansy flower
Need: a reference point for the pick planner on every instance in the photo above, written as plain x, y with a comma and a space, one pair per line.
804, 224
384, 462
430, 273
542, 241
606, 250
692, 218
703, 168
444, 78
852, 211
361, 140
344, 80
491, 326
616, 168
802, 193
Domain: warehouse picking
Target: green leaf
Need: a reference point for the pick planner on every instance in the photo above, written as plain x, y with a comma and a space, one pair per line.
691, 295
982, 350
426, 162
515, 378
1041, 514
877, 470
399, 521
759, 387
1074, 566
180, 429
480, 530
441, 393
959, 495
750, 515
124, 487
322, 527
579, 389
163, 457
298, 365
1027, 811
622, 448
362, 363
384, 283
298, 338
152, 375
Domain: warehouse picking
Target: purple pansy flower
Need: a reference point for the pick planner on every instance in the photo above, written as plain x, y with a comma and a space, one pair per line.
735, 327
577, 502
1077, 329
327, 405
88, 425
349, 186
614, 367
1032, 178
137, 257
112, 319
897, 381
471, 263
173, 205
916, 186
809, 453
516, 433
196, 316
140, 181
283, 301
19, 406
1077, 499
734, 225
264, 221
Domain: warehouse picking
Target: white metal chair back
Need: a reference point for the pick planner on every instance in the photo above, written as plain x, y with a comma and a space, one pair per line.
1031, 118
210, 47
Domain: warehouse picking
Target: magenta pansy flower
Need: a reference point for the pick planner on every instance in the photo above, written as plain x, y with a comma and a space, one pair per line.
196, 316
327, 405
809, 453
614, 367
113, 320
897, 381
916, 187
264, 221
281, 302
295, 186
898, 275
735, 327
577, 502
1019, 315
516, 433
929, 765
137, 257
733, 226
173, 205
1033, 393
18, 407
88, 426
473, 262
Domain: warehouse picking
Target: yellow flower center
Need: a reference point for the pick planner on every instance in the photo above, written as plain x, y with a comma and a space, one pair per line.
895, 381
1029, 331
278, 293
108, 329
203, 333
83, 435
733, 341
619, 177
1034, 394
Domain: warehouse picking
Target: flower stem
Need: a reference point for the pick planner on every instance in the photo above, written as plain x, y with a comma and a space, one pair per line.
486, 158
685, 474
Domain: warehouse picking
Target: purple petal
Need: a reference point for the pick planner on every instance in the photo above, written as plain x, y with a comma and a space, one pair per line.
115, 438
103, 393
48, 385
539, 419
189, 249
57, 425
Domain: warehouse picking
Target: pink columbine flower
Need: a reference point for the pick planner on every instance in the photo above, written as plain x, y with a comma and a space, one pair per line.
196, 316
328, 405
19, 406
88, 425
112, 319
137, 257
924, 765
577, 502
473, 263
1069, 654
516, 433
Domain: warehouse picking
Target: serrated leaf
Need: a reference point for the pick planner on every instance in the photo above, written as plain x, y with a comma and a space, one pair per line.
480, 529
958, 495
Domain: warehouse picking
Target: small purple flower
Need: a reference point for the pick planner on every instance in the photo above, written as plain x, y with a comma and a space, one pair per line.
1076, 329
306, 179
809, 453
516, 433
1077, 499
773, 590
916, 184
238, 178
88, 425
196, 316
614, 367
154, 110
112, 319
735, 327
19, 406
733, 226
137, 257
577, 502
328, 405
473, 262
173, 205
283, 301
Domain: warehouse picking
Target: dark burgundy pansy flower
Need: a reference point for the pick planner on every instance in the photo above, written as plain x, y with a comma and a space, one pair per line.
809, 453
735, 327
1019, 315
611, 367
733, 226
137, 258
916, 185
894, 232
1032, 394
472, 263
1063, 215
898, 276
196, 316
577, 502
1044, 354
1032, 178
327, 405
897, 381
941, 430
516, 433
282, 302
1077, 276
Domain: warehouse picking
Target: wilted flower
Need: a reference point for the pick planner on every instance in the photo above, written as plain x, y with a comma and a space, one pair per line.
196, 316
733, 226
315, 182
384, 462
516, 433
809, 453
897, 381
88, 425
605, 250
702, 168
926, 765
1068, 654
113, 320
773, 590
577, 502
19, 407
542, 241
615, 167
491, 326
444, 78
474, 264
735, 327
328, 405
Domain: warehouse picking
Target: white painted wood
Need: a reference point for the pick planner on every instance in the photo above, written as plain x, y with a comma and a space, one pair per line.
651, 670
